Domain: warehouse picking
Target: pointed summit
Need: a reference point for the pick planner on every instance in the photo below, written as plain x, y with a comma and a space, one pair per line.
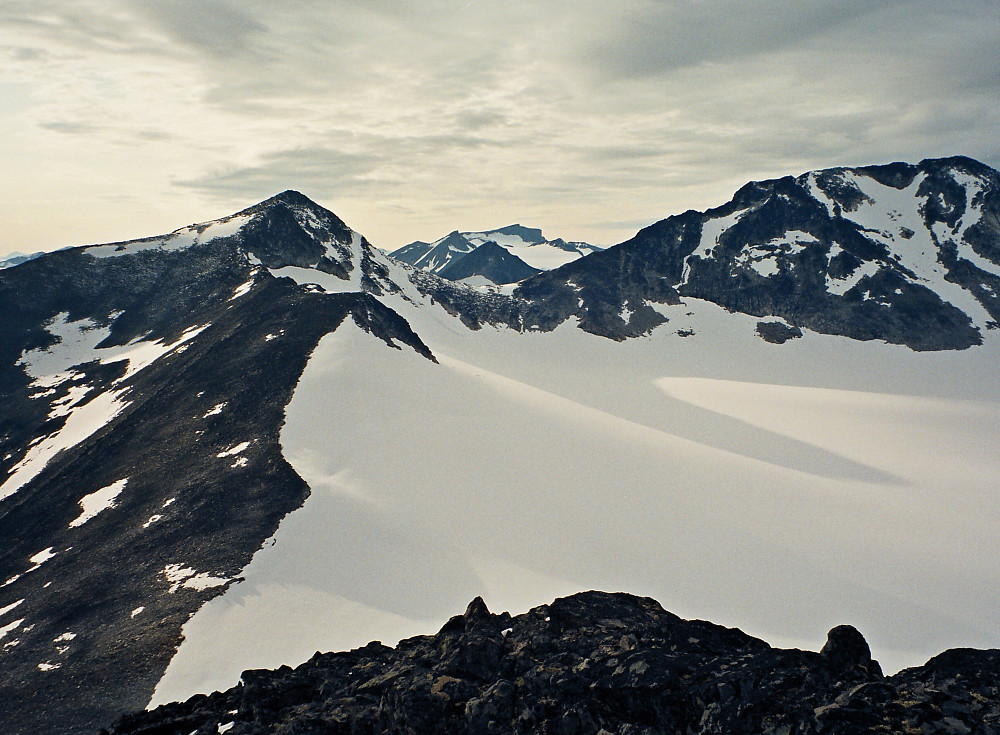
291, 229
289, 198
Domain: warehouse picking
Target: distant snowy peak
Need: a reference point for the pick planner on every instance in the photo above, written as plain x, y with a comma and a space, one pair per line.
12, 259
528, 249
905, 253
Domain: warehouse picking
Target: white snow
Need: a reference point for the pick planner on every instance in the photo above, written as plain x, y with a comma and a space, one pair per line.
303, 276
763, 257
887, 212
500, 238
65, 405
711, 231
97, 501
204, 581
137, 611
216, 409
805, 485
40, 558
225, 728
242, 290
152, 519
141, 354
81, 423
543, 256
180, 576
234, 450
67, 636
478, 281
181, 239
47, 666
840, 286
78, 344
11, 606
5, 629
75, 344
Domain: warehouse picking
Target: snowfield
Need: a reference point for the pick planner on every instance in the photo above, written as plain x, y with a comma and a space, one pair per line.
784, 491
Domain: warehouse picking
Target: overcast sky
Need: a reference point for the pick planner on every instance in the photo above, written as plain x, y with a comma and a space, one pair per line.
410, 118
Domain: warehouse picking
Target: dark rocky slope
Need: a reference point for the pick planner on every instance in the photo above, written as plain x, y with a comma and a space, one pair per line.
814, 250
595, 663
101, 617
489, 261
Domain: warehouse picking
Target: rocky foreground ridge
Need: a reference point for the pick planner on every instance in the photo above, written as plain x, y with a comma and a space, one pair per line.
595, 663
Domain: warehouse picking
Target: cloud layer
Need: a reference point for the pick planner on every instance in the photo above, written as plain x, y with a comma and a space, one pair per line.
411, 119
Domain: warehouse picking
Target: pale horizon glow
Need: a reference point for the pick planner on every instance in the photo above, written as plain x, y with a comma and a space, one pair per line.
411, 119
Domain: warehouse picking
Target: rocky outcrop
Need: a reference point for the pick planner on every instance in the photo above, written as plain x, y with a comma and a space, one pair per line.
595, 663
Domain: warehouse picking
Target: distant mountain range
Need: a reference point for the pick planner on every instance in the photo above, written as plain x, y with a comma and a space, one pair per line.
229, 446
12, 259
494, 257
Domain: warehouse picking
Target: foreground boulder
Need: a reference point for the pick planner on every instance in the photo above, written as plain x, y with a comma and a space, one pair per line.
591, 663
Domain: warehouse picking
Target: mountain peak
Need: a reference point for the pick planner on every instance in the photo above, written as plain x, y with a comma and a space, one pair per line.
288, 198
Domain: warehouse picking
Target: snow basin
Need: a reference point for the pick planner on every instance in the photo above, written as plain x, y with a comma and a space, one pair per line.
805, 485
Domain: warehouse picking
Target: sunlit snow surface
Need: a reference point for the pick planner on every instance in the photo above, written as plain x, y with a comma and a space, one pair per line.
783, 489
181, 239
98, 501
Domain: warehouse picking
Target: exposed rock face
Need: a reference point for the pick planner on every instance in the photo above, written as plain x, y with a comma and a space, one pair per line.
596, 663
490, 261
901, 253
462, 255
190, 440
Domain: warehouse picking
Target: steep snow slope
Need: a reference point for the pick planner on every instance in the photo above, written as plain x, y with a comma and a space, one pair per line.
799, 486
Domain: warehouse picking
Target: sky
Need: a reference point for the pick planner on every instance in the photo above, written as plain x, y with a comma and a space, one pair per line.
411, 118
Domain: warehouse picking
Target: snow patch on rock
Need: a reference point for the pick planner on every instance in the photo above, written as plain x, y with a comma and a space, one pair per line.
98, 501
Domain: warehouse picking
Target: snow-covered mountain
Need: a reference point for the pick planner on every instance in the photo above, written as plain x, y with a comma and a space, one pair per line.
474, 257
12, 259
254, 438
902, 253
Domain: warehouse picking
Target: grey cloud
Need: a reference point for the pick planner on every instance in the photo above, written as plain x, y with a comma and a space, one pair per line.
68, 127
316, 171
675, 34
26, 53
153, 135
96, 26
212, 26
476, 120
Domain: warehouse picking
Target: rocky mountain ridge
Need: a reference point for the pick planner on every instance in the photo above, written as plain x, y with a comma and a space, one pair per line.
596, 663
145, 382
909, 254
502, 256
144, 386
